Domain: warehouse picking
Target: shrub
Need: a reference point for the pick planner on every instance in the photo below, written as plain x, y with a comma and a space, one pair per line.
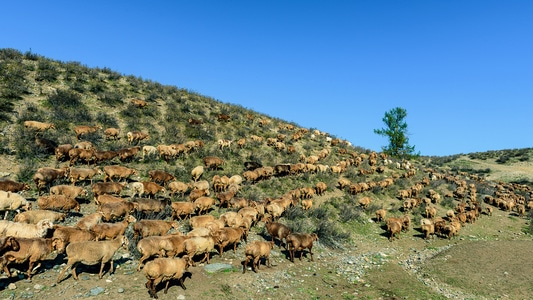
330, 234
47, 71
112, 98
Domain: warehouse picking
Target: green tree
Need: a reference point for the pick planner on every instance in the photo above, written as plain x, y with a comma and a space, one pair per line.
396, 131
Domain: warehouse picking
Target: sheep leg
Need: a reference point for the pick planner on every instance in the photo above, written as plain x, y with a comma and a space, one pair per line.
310, 252
166, 287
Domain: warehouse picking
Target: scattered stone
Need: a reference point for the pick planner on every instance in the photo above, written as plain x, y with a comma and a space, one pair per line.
217, 267
120, 290
12, 286
97, 291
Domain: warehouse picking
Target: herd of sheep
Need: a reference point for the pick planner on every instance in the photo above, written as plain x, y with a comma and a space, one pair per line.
165, 252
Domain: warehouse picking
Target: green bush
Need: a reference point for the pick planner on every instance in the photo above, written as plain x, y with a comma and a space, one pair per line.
47, 71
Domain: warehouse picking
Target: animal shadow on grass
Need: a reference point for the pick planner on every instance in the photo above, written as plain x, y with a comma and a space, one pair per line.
172, 282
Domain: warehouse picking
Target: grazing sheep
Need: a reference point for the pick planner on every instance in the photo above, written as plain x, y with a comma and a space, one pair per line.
10, 201
81, 174
92, 253
299, 242
38, 126
428, 230
115, 210
254, 251
200, 221
58, 203
34, 216
83, 130
178, 187
394, 228
112, 133
31, 250
22, 230
165, 269
45, 176
120, 172
145, 205
203, 204
101, 188
8, 243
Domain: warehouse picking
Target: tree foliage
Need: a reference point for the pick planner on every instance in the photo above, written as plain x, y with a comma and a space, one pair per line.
396, 131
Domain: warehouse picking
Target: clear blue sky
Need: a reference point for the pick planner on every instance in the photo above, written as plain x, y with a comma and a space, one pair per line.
463, 70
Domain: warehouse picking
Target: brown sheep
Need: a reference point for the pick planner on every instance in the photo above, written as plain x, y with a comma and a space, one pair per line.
170, 245
199, 245
33, 251
212, 162
195, 194
81, 174
13, 186
161, 177
180, 209
104, 156
101, 188
226, 236
203, 204
88, 221
138, 103
364, 202
34, 216
83, 130
300, 242
256, 250
8, 243
394, 228
178, 187
320, 188
61, 151
200, 221
45, 176
152, 188
380, 214
146, 205
38, 126
115, 210
112, 230
60, 203
70, 234
165, 269
70, 191
127, 154
112, 133
144, 228
277, 230
91, 253
76, 154
117, 171
136, 136
428, 230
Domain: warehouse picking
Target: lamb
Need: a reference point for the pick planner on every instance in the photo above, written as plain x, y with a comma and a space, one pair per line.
13, 186
31, 250
199, 245
299, 242
34, 216
182, 208
226, 236
165, 269
277, 230
22, 230
81, 174
112, 230
137, 189
71, 192
197, 172
144, 228
71, 234
91, 253
255, 251
12, 202
58, 203
170, 245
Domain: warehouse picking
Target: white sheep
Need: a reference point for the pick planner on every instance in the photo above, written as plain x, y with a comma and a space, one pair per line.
10, 228
12, 201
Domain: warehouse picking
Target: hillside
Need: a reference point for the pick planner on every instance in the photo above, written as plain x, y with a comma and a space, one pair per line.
353, 257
